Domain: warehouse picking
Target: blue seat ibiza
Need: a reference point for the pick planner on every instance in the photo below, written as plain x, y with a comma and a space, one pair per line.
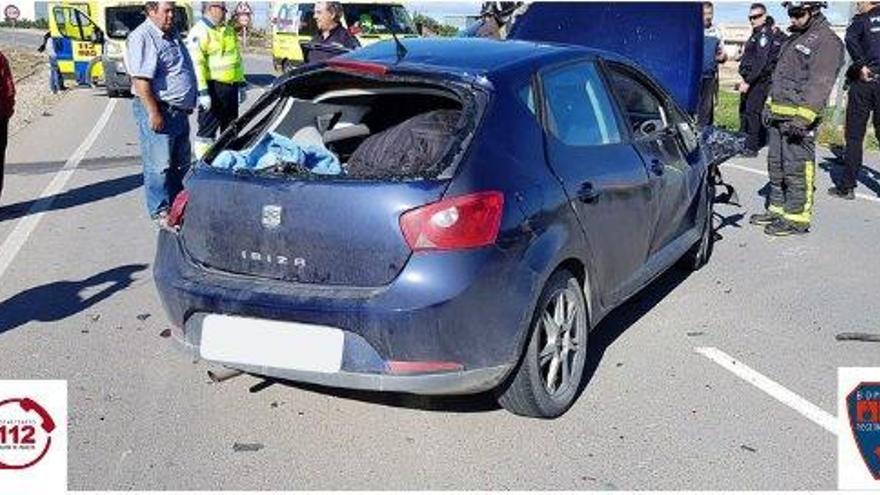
478, 207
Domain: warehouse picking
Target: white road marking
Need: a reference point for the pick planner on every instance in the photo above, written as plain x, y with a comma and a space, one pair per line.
873, 199
25, 227
809, 410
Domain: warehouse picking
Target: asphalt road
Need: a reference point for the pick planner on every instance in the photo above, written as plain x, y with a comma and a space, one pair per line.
77, 302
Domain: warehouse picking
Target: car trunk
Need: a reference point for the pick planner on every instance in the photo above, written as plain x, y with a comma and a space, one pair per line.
665, 38
289, 223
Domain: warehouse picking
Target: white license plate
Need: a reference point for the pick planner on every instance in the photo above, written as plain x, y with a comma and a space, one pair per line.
276, 344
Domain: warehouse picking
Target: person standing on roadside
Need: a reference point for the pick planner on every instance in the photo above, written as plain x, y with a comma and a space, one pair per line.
56, 80
863, 75
7, 108
213, 47
713, 54
164, 83
756, 66
331, 33
801, 84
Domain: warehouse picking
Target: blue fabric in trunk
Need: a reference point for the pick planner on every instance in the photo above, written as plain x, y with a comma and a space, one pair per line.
274, 150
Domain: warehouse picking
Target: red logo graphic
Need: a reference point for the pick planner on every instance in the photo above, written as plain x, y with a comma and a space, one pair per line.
25, 433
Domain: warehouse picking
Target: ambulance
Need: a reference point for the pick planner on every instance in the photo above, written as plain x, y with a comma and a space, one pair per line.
89, 39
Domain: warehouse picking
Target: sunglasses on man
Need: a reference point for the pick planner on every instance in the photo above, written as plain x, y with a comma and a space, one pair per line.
797, 13
756, 17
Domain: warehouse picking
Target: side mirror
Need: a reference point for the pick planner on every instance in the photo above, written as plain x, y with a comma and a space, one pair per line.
98, 36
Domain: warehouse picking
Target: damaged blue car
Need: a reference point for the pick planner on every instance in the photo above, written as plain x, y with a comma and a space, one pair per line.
494, 201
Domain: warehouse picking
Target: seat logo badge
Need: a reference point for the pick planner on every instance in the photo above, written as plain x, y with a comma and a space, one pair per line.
271, 216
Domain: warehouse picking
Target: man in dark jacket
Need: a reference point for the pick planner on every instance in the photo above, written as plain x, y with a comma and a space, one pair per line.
863, 76
801, 83
756, 67
332, 38
7, 107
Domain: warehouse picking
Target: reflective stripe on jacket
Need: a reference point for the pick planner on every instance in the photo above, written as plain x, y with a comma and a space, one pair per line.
215, 54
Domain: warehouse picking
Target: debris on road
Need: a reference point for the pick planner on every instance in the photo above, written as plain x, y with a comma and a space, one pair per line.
696, 334
165, 333
143, 316
858, 337
220, 376
95, 316
246, 447
748, 448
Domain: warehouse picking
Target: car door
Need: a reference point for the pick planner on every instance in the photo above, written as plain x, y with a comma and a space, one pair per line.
656, 130
603, 175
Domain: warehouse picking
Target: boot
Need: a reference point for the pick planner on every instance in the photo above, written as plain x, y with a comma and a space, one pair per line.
765, 218
783, 228
842, 193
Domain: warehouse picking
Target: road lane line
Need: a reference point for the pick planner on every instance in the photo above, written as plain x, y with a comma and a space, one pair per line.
873, 199
25, 227
809, 410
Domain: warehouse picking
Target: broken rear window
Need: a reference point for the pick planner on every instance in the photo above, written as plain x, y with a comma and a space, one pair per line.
331, 125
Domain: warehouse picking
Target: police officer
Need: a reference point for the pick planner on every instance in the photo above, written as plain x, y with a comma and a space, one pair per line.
863, 76
756, 66
713, 54
213, 46
801, 84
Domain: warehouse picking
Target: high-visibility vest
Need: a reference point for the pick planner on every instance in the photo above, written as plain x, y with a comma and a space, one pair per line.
215, 54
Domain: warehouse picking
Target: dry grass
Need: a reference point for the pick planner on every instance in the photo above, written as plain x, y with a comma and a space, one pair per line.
31, 73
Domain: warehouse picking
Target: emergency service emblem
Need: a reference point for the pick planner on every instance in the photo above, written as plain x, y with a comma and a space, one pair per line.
863, 406
271, 216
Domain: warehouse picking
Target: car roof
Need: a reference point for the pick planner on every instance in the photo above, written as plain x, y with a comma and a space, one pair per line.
474, 56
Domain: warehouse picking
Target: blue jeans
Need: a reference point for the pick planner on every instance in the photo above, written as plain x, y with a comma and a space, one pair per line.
166, 155
56, 80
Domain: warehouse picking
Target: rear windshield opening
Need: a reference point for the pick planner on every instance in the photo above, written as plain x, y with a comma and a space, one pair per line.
338, 126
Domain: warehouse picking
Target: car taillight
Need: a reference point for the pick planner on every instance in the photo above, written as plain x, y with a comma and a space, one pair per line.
178, 207
462, 222
358, 66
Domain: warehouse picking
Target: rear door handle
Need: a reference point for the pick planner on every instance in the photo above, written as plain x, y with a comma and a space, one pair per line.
587, 193
657, 167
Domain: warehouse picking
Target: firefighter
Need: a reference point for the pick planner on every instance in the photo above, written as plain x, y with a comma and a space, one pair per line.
213, 46
800, 86
756, 66
863, 76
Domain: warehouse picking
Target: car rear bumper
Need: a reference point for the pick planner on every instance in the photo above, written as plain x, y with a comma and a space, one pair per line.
461, 321
114, 80
447, 383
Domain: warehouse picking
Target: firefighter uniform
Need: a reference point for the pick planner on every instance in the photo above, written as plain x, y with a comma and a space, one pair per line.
863, 45
220, 76
800, 86
756, 67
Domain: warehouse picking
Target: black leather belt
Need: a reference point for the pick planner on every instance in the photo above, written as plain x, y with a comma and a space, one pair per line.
175, 108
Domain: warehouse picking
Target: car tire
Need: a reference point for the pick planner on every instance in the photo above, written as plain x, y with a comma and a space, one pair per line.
698, 255
539, 388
